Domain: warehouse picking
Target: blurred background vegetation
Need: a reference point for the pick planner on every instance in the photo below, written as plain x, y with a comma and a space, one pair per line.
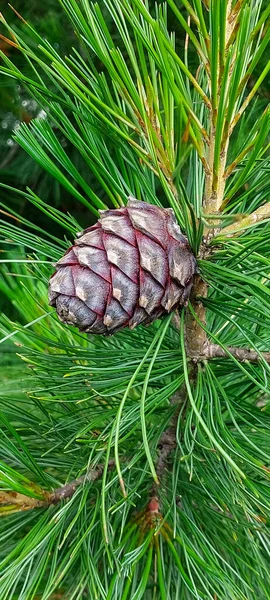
17, 168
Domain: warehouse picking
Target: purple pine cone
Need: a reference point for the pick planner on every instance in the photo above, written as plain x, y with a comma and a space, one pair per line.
133, 266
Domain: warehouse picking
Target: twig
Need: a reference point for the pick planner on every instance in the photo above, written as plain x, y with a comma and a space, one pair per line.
167, 443
261, 214
13, 501
214, 177
195, 336
23, 502
67, 491
197, 344
242, 354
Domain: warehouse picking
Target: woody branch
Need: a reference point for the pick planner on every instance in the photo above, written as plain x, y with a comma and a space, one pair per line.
15, 501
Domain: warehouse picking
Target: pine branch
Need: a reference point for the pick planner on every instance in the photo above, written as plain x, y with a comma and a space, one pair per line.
14, 501
166, 445
67, 491
199, 348
195, 336
168, 442
242, 354
260, 214
132, 108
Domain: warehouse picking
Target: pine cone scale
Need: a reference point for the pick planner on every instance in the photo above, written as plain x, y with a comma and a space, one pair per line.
121, 225
131, 267
124, 290
115, 315
146, 224
153, 259
92, 238
123, 255
151, 292
95, 260
85, 282
180, 264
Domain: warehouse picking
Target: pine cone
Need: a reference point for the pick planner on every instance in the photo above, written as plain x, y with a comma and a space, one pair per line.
133, 266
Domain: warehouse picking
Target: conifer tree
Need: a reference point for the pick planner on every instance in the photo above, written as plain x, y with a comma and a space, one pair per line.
136, 466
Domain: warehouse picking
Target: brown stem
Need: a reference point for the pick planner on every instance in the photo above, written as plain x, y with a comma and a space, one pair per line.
167, 443
209, 202
23, 502
195, 336
196, 341
215, 179
261, 214
67, 491
198, 346
242, 354
15, 501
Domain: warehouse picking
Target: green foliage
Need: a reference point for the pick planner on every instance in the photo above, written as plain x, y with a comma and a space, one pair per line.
16, 105
140, 112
